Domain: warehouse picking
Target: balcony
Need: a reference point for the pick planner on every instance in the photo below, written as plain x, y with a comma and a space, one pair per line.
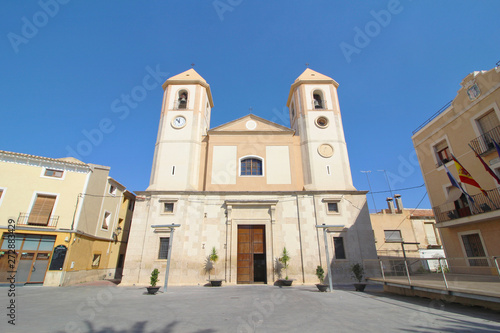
24, 220
482, 204
484, 143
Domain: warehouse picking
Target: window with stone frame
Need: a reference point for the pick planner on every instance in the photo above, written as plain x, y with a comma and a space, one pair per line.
163, 249
473, 247
338, 244
442, 151
251, 167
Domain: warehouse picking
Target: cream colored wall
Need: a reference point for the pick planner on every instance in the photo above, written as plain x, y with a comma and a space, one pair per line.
206, 221
112, 205
21, 182
277, 165
91, 202
226, 169
457, 124
489, 233
412, 230
316, 176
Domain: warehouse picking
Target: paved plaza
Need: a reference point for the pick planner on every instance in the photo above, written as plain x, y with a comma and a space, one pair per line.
243, 308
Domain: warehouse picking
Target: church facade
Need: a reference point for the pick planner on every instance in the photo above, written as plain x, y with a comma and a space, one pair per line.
248, 188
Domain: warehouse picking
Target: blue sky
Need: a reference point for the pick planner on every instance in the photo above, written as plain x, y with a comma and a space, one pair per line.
65, 63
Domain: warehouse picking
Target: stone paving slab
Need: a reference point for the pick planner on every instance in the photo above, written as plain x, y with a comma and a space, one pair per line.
249, 308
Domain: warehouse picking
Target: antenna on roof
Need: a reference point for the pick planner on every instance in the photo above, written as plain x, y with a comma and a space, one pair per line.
307, 64
192, 65
498, 63
250, 109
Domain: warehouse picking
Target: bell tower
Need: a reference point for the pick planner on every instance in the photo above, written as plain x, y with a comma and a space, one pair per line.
315, 117
185, 118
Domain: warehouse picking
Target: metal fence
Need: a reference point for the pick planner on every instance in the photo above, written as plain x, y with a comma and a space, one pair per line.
434, 271
24, 220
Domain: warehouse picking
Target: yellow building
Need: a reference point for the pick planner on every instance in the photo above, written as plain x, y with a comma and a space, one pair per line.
469, 226
406, 233
61, 221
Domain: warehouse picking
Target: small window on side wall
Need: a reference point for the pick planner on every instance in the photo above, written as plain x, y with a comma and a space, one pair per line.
338, 244
442, 151
96, 260
53, 173
105, 221
332, 206
168, 207
393, 236
163, 250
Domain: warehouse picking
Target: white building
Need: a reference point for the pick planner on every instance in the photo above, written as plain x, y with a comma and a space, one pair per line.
249, 188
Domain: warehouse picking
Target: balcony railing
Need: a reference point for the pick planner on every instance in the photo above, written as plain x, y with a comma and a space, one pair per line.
24, 220
319, 104
484, 143
482, 204
446, 106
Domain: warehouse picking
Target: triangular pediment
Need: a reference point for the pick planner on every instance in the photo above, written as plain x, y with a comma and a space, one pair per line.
189, 75
311, 75
251, 123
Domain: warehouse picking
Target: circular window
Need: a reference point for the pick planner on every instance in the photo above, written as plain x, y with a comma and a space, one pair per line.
251, 125
322, 122
325, 150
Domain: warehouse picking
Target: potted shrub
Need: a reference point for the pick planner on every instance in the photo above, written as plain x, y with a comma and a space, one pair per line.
358, 272
213, 257
320, 273
153, 289
284, 260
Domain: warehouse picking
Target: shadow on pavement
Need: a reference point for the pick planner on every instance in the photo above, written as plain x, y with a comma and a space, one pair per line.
139, 327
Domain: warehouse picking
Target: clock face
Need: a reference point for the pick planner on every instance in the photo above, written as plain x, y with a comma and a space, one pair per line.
179, 122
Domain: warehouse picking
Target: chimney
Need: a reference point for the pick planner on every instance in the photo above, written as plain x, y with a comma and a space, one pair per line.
399, 203
390, 204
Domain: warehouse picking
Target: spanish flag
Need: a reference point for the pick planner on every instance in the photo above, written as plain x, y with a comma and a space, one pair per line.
465, 176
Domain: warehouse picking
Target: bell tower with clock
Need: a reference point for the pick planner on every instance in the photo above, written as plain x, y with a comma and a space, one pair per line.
185, 118
315, 117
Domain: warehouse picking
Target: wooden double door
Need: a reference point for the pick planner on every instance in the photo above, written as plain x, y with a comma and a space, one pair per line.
252, 254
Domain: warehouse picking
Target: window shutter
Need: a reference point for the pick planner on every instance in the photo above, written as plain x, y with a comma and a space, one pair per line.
442, 145
488, 122
40, 213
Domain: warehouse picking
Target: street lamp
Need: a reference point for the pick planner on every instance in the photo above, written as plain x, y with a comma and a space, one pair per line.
170, 241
